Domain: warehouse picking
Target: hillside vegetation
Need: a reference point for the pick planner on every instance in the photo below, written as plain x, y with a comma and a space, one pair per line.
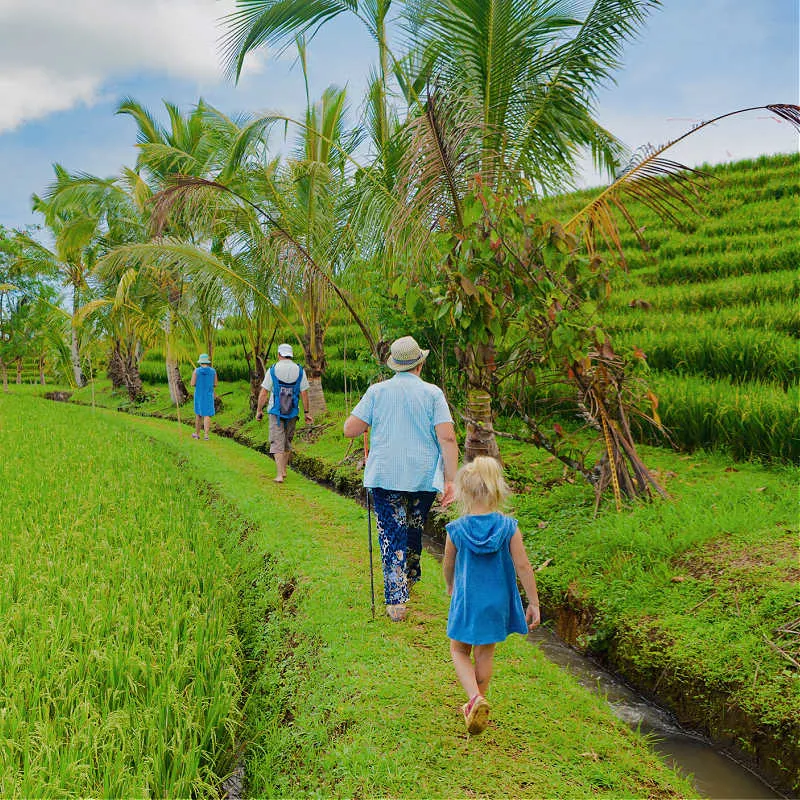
714, 306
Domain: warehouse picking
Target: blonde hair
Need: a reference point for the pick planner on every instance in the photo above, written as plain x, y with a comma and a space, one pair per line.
481, 482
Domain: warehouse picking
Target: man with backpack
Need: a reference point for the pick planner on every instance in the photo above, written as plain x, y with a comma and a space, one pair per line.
285, 384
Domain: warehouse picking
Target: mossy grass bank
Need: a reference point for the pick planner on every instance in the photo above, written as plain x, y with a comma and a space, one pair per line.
168, 612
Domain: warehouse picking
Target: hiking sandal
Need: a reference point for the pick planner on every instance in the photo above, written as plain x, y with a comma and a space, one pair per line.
476, 714
396, 613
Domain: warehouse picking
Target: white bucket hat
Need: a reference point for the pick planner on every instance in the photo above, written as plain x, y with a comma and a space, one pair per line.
285, 350
405, 354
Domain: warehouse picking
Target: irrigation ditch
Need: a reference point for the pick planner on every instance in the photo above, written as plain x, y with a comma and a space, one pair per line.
694, 726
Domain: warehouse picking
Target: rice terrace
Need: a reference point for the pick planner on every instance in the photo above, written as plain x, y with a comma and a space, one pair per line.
178, 619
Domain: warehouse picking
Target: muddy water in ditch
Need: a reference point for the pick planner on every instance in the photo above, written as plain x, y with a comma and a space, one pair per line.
715, 775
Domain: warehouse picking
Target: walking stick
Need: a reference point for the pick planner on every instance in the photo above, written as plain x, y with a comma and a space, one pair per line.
369, 533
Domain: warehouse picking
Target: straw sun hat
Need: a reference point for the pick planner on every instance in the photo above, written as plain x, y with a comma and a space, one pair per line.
405, 354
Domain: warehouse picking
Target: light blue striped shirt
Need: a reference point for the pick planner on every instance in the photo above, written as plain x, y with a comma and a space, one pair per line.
404, 453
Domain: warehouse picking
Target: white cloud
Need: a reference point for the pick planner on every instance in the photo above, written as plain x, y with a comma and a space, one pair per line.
55, 54
29, 93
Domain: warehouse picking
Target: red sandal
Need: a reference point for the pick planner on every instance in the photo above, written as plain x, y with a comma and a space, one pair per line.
476, 714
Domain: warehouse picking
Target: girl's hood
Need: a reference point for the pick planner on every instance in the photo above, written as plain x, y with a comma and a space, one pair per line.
483, 533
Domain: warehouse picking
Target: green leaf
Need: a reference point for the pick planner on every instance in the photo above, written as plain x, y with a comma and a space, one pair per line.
471, 213
412, 297
399, 286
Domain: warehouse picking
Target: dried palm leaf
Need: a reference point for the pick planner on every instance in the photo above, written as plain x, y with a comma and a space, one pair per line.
665, 186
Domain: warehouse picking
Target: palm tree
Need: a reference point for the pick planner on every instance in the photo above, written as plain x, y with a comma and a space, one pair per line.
76, 233
119, 206
191, 145
510, 101
311, 211
512, 97
302, 206
212, 248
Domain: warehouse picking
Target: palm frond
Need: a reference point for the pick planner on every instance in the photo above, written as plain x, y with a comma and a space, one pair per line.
90, 308
438, 158
186, 187
149, 128
274, 22
665, 186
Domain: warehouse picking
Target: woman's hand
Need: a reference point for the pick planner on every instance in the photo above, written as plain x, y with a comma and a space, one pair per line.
532, 616
449, 494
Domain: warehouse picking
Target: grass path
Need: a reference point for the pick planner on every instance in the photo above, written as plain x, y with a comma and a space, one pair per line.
347, 706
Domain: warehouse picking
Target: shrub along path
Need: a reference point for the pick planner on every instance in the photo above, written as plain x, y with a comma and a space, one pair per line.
340, 705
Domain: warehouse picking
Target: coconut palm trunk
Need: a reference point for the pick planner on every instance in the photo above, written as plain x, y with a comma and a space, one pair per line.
75, 353
177, 388
256, 379
478, 363
315, 363
480, 439
133, 380
115, 371
316, 396
4, 370
75, 359
178, 393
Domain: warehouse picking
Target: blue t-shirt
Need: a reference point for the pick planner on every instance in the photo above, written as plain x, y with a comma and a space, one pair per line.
486, 605
404, 453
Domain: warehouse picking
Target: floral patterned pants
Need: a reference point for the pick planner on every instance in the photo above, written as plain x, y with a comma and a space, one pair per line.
401, 518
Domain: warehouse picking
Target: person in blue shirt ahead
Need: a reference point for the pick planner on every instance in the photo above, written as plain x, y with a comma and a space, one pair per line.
483, 555
413, 455
204, 379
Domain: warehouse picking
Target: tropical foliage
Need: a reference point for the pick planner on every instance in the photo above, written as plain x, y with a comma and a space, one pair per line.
475, 113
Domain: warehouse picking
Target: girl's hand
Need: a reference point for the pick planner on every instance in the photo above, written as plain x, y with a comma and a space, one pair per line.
532, 616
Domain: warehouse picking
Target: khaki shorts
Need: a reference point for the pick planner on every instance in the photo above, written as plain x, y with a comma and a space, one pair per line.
281, 433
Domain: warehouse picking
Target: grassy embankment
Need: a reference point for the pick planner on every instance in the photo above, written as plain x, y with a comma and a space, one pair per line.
693, 599
166, 607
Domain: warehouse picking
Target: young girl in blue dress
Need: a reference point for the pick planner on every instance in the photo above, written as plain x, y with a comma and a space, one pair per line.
483, 556
204, 380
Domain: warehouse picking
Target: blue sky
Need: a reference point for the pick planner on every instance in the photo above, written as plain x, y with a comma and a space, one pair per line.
64, 68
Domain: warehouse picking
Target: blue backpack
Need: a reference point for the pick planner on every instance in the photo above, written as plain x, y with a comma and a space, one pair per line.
285, 396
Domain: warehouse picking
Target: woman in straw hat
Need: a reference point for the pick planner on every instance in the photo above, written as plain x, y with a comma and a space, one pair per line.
204, 379
413, 456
